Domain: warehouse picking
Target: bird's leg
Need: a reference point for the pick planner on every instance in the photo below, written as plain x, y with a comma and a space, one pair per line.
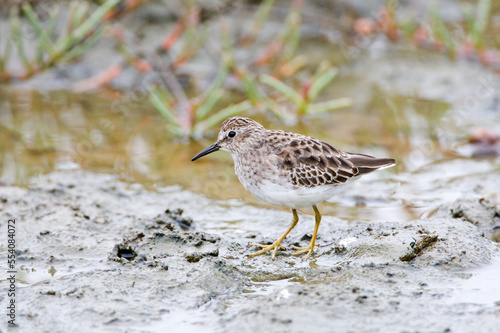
310, 248
274, 246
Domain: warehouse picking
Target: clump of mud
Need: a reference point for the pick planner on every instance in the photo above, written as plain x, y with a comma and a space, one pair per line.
482, 212
417, 247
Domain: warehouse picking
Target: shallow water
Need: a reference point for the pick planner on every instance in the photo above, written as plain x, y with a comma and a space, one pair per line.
43, 131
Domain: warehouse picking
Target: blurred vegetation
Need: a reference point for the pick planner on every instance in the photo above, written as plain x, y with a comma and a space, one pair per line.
54, 44
465, 40
275, 79
258, 79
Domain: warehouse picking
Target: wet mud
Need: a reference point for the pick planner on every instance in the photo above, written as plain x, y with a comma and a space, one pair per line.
122, 258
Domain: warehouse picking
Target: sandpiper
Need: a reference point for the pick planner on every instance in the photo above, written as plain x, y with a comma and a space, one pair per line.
289, 169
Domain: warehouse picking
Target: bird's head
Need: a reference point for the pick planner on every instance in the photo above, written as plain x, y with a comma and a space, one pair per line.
236, 134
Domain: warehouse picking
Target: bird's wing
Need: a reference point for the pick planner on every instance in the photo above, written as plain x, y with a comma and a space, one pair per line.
311, 162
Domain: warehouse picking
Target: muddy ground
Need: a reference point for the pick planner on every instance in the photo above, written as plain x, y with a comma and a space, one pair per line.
96, 254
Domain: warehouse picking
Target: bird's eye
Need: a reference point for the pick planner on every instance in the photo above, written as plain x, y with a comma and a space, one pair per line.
231, 134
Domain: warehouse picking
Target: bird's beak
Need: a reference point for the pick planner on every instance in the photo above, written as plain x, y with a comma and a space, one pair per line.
206, 151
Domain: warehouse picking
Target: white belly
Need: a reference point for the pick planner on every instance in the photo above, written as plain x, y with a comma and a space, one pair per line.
293, 197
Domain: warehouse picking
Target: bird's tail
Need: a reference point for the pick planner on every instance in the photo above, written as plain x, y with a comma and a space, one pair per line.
367, 163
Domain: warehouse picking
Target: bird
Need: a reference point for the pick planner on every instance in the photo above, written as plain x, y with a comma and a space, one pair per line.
289, 170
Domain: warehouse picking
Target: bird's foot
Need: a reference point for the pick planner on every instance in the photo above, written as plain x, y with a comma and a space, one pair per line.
266, 248
301, 250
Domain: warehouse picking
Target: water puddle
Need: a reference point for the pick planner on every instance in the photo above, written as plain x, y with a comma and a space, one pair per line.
278, 287
34, 274
180, 321
481, 288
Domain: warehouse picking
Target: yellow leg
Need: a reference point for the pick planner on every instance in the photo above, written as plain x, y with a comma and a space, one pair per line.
277, 244
310, 248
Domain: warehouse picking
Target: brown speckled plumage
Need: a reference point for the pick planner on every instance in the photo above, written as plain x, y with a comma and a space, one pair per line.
289, 169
